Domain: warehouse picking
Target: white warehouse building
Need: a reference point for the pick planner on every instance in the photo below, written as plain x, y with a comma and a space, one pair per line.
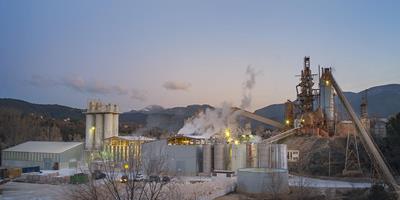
47, 155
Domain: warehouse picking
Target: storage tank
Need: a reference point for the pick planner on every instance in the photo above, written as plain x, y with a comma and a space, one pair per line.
108, 125
238, 156
251, 155
272, 156
207, 158
115, 124
90, 129
99, 134
263, 181
219, 157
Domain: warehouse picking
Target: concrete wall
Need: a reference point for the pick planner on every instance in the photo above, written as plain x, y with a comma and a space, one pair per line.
183, 160
262, 181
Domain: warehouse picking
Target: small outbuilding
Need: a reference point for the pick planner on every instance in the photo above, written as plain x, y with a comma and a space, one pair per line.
47, 155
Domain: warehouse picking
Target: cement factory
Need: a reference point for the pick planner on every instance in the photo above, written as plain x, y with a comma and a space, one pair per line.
255, 162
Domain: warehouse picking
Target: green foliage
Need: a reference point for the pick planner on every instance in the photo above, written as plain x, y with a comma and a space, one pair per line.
393, 127
390, 145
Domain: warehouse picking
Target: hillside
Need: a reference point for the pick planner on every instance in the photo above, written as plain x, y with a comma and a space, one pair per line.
50, 111
21, 121
169, 120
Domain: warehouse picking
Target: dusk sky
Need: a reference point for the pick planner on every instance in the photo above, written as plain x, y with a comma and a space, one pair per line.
176, 53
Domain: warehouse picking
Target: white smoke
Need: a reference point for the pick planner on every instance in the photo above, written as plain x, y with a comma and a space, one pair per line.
211, 122
248, 85
214, 122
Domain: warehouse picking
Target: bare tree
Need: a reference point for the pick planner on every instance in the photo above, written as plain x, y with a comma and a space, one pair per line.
132, 186
301, 184
273, 187
276, 186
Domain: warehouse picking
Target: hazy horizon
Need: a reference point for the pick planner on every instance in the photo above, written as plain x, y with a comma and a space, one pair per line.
177, 53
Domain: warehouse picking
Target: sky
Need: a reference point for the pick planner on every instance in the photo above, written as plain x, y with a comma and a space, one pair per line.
175, 53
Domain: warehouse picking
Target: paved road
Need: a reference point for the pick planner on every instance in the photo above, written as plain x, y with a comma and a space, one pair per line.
320, 183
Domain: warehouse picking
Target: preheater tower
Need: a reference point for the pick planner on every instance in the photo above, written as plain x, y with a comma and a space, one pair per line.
101, 122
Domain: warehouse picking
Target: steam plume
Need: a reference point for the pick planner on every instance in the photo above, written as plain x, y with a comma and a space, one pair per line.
247, 87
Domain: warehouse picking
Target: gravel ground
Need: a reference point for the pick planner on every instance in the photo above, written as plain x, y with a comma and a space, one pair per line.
188, 188
30, 191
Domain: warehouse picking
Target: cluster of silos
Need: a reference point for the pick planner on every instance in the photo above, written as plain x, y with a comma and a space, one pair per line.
236, 156
101, 122
272, 156
229, 156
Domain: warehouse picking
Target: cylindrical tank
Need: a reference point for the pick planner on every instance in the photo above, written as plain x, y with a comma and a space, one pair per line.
115, 124
91, 106
98, 136
238, 156
89, 131
108, 125
272, 156
219, 156
263, 181
251, 155
207, 159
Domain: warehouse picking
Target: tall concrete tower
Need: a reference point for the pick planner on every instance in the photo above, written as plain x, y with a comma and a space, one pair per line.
327, 98
101, 123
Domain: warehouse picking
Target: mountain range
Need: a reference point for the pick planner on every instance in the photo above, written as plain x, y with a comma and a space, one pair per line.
383, 102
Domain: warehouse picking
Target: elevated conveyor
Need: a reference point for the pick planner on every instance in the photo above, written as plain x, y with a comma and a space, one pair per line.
280, 136
367, 140
259, 118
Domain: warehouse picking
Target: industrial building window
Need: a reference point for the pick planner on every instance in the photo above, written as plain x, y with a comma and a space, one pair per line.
293, 155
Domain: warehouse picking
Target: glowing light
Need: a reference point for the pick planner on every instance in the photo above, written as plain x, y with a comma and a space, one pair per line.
302, 120
327, 82
287, 122
227, 133
236, 142
93, 128
126, 166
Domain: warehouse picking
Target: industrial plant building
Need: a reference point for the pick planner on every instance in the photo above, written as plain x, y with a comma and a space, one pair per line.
47, 155
124, 148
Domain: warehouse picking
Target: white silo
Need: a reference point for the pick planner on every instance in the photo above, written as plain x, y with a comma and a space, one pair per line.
116, 121
99, 131
207, 159
101, 123
89, 131
108, 122
219, 159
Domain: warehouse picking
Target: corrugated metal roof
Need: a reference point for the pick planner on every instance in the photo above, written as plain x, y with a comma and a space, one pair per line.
43, 147
133, 138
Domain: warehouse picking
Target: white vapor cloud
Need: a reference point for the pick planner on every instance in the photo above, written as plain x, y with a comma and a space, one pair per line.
79, 84
175, 85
